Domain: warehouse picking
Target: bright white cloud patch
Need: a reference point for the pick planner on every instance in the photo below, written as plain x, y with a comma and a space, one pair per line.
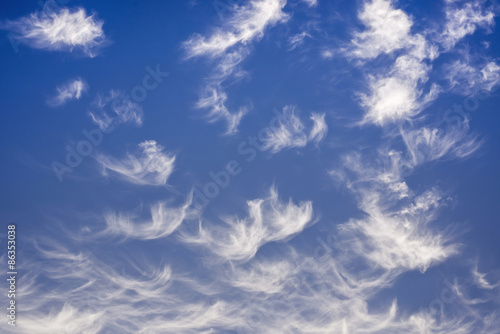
398, 93
116, 109
388, 29
69, 91
62, 29
290, 131
268, 220
228, 46
152, 167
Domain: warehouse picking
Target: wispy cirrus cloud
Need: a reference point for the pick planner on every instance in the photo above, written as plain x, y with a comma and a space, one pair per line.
152, 167
164, 221
247, 24
291, 131
311, 3
69, 91
214, 99
268, 220
228, 46
465, 77
62, 29
123, 110
297, 39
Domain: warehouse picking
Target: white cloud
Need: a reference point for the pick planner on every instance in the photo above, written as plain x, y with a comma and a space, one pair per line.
466, 78
69, 91
61, 29
481, 281
392, 235
463, 21
396, 93
428, 144
268, 220
229, 46
395, 241
164, 221
123, 110
291, 132
153, 167
319, 129
327, 53
388, 29
297, 40
214, 99
247, 23
268, 277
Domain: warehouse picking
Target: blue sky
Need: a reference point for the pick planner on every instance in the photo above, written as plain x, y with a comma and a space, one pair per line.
261, 166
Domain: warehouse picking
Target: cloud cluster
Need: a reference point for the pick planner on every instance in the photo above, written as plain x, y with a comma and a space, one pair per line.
228, 46
464, 20
152, 167
398, 92
60, 29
